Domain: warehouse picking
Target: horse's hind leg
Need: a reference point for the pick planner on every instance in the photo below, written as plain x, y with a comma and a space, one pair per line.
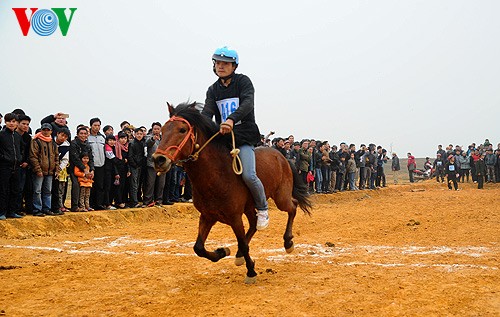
286, 203
199, 247
252, 220
239, 231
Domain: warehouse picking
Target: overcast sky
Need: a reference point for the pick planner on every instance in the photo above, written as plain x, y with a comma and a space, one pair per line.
411, 74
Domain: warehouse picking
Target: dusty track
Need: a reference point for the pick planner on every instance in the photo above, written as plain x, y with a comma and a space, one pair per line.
417, 250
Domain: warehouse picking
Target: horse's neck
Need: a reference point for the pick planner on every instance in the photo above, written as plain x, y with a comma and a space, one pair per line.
210, 165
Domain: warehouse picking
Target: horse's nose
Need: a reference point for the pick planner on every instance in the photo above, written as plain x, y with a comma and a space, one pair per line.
161, 162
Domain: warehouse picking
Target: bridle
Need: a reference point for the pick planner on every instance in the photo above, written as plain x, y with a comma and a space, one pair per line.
178, 148
236, 164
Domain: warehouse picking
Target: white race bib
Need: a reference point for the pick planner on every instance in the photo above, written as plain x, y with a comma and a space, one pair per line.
452, 168
227, 107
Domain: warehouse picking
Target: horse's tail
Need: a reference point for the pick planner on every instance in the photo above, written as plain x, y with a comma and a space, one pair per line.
300, 191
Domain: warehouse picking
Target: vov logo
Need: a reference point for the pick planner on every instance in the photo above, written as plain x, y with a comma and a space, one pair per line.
44, 21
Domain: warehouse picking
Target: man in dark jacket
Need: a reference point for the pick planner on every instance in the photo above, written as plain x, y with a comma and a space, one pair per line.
78, 146
396, 167
136, 161
11, 154
480, 171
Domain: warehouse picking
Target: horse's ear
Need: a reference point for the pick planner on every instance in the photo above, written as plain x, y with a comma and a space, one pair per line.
170, 109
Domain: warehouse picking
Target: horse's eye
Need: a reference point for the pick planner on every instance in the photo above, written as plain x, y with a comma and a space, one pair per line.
182, 130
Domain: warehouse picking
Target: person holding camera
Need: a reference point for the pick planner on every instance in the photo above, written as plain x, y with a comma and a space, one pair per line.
231, 101
58, 121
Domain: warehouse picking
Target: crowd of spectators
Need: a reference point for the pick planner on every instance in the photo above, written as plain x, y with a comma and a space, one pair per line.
105, 170
329, 169
114, 169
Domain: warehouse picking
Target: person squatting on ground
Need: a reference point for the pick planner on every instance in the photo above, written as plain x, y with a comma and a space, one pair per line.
231, 101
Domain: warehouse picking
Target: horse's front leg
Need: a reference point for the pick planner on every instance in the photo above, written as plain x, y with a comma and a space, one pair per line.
204, 228
252, 220
239, 231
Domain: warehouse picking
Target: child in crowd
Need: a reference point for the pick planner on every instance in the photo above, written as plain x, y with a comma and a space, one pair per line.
351, 172
451, 170
85, 184
111, 174
121, 152
480, 171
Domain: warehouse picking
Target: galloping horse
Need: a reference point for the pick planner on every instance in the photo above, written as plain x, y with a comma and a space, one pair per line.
218, 193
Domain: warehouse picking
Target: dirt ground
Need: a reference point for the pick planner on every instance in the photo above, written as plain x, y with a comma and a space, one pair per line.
406, 250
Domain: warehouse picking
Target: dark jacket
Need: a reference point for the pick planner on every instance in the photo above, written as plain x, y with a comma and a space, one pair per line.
11, 151
55, 127
136, 158
76, 148
395, 163
451, 170
234, 102
480, 167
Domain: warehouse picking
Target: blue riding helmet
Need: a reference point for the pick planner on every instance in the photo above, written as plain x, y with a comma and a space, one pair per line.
225, 54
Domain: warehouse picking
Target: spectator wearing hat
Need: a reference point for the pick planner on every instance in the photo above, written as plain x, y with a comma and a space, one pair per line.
395, 167
304, 160
10, 159
96, 142
78, 146
44, 158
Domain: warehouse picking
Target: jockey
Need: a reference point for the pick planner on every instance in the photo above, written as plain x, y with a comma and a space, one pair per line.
231, 100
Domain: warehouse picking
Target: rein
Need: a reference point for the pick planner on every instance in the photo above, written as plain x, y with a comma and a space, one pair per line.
236, 163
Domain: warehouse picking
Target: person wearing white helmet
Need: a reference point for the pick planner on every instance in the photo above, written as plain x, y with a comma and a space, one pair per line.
231, 101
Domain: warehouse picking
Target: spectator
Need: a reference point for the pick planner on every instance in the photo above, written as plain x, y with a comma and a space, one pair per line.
464, 162
57, 121
154, 185
441, 152
123, 125
60, 183
318, 162
360, 163
490, 160
108, 130
96, 142
136, 160
396, 167
451, 171
1, 117
111, 174
412, 165
304, 159
121, 152
78, 146
497, 169
480, 171
44, 158
438, 166
325, 168
85, 183
381, 160
11, 152
474, 158
25, 175
351, 171
334, 167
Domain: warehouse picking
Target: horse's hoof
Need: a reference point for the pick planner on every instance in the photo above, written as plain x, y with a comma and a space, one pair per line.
290, 249
239, 261
222, 252
250, 280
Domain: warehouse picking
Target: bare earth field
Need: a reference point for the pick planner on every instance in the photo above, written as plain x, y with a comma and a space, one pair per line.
407, 250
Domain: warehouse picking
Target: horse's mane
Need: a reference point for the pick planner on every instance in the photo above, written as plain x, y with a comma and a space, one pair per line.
204, 125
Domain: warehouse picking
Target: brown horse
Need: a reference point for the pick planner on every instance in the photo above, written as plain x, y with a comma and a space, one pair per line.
218, 193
